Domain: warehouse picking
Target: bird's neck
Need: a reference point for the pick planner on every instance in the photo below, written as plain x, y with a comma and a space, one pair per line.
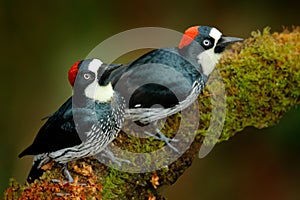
192, 70
208, 61
204, 60
190, 53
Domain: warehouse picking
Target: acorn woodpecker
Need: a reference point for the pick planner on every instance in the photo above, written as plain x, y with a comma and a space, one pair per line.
84, 125
170, 77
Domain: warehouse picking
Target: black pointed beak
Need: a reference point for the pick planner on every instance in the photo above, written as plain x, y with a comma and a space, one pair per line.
112, 67
224, 41
104, 75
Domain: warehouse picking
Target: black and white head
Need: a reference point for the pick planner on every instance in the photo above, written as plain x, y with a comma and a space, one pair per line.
88, 79
210, 44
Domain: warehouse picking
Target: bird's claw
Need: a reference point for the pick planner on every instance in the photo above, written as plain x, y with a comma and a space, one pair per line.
110, 155
66, 182
160, 136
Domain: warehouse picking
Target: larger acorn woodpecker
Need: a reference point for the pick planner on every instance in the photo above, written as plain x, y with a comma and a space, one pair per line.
183, 73
84, 125
170, 77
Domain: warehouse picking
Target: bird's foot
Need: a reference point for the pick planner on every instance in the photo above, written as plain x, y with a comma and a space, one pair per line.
62, 194
160, 136
66, 174
67, 182
110, 155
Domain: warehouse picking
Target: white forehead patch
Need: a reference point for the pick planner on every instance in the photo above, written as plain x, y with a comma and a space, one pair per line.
94, 65
215, 33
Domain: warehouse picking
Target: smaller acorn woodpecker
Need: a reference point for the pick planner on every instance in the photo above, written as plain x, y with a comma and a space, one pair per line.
84, 125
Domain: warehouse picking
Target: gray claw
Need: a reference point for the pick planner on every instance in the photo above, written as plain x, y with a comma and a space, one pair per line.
110, 155
163, 138
67, 174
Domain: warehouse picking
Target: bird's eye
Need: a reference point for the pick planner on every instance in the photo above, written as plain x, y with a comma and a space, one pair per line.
206, 42
87, 76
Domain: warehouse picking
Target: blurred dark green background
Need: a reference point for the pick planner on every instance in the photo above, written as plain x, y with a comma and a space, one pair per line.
40, 40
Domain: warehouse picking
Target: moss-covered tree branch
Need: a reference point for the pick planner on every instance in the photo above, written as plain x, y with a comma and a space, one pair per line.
261, 77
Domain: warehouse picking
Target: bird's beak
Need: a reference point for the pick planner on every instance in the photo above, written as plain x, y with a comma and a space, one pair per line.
104, 74
112, 67
224, 41
109, 69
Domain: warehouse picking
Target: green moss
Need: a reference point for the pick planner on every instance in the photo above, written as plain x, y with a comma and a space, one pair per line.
114, 184
261, 80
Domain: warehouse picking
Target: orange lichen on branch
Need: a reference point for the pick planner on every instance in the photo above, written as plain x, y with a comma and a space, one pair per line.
154, 180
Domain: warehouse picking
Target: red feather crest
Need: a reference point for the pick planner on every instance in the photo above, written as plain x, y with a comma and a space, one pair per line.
189, 36
73, 73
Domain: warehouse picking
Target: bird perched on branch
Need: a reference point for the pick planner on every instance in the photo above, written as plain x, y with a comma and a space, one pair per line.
84, 125
172, 78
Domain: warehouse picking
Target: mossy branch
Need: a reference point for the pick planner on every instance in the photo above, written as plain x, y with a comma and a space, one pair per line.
261, 77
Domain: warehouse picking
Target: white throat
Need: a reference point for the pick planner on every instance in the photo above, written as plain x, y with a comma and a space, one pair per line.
208, 61
99, 93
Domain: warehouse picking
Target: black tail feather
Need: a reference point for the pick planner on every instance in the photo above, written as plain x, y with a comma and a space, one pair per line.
35, 172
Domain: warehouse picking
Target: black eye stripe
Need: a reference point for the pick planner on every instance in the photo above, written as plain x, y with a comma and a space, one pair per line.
207, 43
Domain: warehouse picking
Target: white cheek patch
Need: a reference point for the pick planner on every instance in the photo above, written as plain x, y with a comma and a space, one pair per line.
208, 59
91, 89
94, 65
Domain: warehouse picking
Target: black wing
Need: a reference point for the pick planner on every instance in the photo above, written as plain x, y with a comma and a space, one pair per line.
57, 133
159, 77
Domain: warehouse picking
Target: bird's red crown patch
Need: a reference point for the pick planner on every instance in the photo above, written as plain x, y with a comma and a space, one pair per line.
189, 36
73, 73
